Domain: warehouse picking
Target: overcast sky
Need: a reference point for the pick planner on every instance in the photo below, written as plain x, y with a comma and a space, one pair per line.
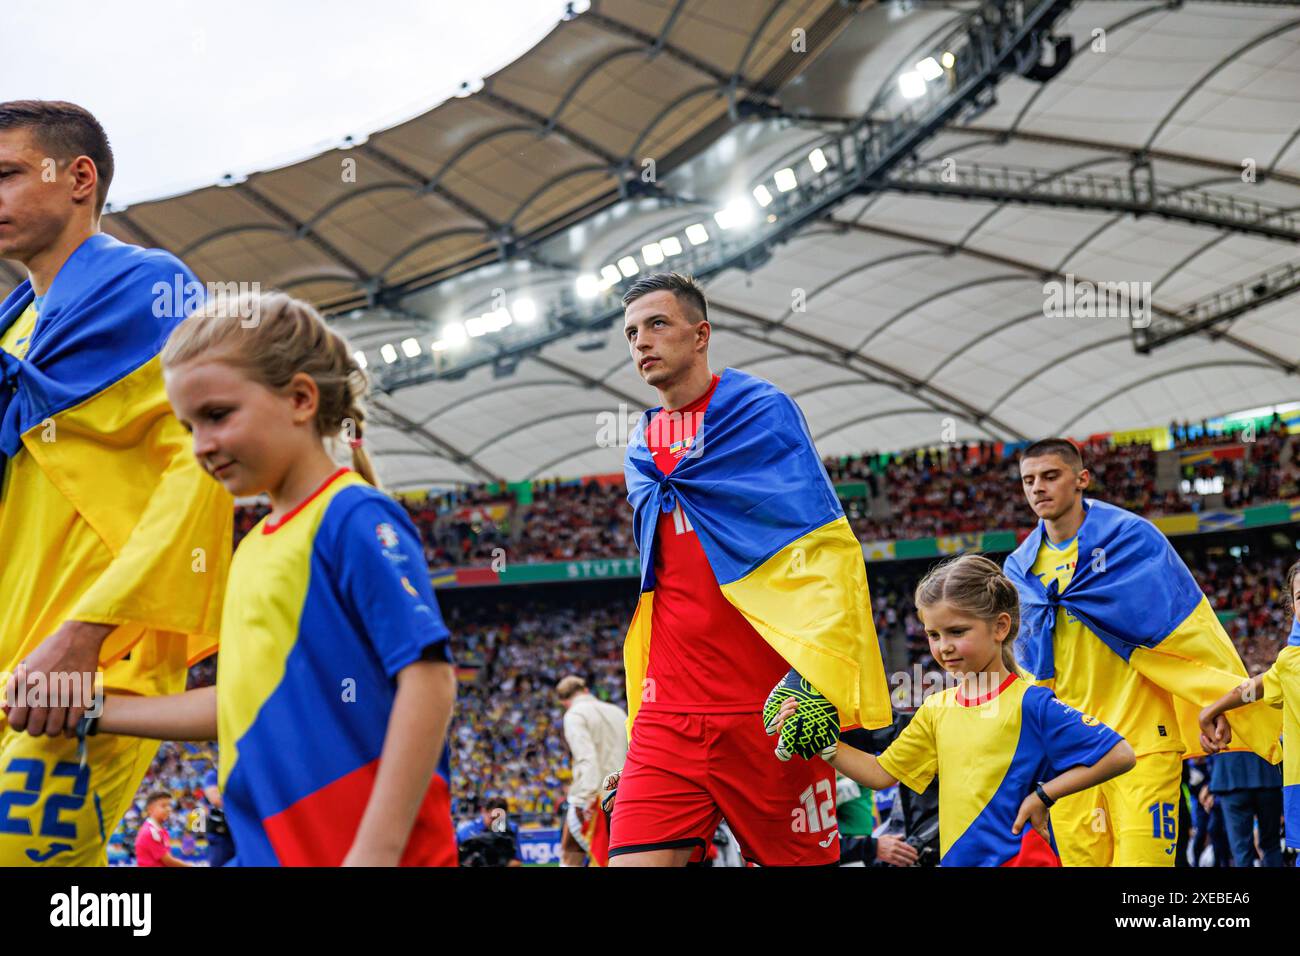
190, 90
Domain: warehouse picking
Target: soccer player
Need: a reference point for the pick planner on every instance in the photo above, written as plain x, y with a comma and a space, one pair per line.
596, 733
1117, 626
1279, 687
748, 569
114, 545
334, 685
153, 845
1004, 750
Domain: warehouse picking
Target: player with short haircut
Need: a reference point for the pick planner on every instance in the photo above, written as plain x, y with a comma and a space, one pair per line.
1115, 623
748, 569
114, 546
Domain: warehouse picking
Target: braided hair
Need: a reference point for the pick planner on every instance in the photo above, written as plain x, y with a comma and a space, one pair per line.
975, 585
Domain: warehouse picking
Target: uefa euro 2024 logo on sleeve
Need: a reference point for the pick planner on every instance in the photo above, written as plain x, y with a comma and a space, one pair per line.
386, 535
388, 540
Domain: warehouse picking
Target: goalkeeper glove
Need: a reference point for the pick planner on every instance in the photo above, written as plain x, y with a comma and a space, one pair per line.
814, 728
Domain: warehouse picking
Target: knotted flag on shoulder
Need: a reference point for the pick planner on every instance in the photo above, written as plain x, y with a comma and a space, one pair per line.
776, 538
1133, 591
87, 404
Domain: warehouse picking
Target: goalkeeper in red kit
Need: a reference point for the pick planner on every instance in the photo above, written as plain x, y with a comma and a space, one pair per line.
750, 578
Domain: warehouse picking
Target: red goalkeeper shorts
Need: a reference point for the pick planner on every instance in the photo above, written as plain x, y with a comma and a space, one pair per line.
686, 772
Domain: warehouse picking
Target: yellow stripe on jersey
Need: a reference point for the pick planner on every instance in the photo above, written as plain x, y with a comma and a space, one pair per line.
269, 577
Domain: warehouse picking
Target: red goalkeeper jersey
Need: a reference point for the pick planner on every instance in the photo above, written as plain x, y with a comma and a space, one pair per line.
704, 655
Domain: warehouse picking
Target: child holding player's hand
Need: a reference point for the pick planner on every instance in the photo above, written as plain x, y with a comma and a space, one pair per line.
335, 684
1005, 750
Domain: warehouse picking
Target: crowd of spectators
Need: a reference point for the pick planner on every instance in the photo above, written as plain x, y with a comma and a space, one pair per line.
1248, 593
567, 521
953, 489
462, 527
506, 740
180, 769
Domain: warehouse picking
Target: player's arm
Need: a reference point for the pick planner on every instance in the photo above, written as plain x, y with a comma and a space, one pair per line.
188, 716
853, 763
170, 860
1119, 759
1216, 733
73, 649
860, 766
417, 731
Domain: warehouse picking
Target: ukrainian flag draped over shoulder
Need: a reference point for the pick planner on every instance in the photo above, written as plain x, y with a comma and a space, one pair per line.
87, 403
775, 535
1134, 592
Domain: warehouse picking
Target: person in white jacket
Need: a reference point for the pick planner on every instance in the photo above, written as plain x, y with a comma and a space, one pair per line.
596, 732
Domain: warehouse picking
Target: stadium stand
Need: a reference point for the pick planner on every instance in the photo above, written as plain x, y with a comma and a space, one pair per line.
514, 644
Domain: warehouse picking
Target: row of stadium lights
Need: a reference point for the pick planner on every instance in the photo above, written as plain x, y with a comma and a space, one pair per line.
737, 213
912, 84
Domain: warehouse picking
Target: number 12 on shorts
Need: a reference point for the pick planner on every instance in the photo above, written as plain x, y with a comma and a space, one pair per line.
1164, 822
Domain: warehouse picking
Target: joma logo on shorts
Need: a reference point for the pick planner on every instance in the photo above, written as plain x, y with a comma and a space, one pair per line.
811, 815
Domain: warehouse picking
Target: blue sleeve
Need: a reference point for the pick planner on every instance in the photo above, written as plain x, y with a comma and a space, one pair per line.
1070, 738
386, 585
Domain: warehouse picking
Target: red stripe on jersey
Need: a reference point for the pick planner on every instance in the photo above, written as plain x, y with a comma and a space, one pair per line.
987, 695
319, 829
1034, 851
272, 526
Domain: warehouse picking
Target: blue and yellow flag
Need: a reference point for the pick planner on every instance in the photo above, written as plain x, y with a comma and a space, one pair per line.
86, 406
775, 535
1133, 591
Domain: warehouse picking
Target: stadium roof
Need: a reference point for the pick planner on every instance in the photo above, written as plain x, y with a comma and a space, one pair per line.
908, 312
544, 142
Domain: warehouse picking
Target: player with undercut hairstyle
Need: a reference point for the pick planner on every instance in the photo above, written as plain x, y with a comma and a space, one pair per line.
750, 577
114, 546
1114, 622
